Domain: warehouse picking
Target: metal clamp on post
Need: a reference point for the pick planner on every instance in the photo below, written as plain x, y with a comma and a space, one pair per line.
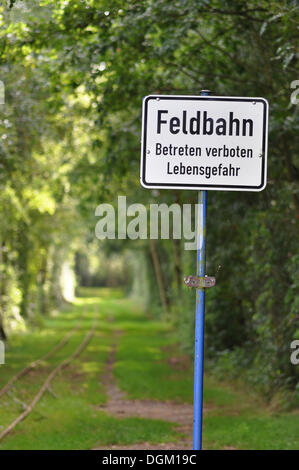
200, 282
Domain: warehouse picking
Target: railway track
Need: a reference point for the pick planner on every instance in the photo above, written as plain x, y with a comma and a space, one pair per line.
37, 362
46, 384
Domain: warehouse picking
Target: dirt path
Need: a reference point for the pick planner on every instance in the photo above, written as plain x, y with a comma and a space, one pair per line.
119, 406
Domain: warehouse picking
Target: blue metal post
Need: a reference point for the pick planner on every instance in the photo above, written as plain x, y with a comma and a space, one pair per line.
199, 317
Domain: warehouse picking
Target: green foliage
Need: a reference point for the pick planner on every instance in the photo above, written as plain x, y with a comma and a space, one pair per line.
257, 433
75, 73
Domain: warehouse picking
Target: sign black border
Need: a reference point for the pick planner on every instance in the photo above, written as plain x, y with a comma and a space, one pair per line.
201, 186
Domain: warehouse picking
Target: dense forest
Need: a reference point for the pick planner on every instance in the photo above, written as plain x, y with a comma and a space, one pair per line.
74, 75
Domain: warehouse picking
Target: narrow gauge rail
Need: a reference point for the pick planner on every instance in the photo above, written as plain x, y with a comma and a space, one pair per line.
37, 362
50, 377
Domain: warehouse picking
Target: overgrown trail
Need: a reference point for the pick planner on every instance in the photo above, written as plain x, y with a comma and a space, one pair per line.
120, 406
129, 388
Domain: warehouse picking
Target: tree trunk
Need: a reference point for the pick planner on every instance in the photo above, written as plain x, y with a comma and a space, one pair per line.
2, 332
177, 263
43, 304
159, 275
176, 244
2, 293
23, 267
293, 173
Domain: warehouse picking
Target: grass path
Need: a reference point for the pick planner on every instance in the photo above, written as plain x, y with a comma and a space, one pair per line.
121, 406
130, 388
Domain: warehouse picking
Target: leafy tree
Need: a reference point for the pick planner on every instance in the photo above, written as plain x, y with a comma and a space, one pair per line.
94, 60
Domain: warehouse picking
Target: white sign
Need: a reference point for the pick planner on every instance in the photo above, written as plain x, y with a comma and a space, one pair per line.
204, 142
